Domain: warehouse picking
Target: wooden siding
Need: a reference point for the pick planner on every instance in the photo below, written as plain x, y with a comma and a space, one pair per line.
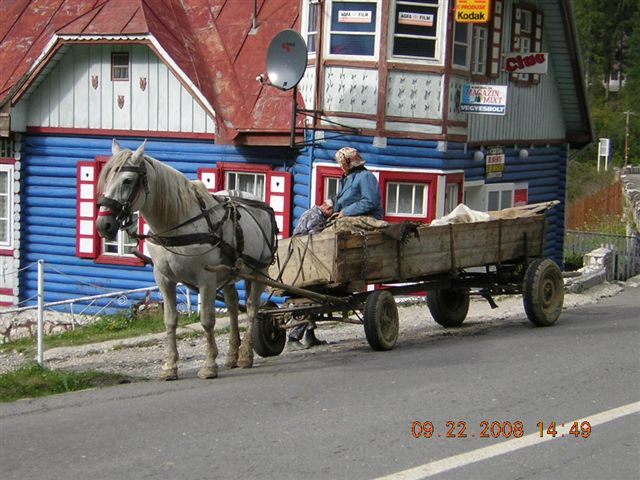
534, 112
49, 209
153, 98
544, 170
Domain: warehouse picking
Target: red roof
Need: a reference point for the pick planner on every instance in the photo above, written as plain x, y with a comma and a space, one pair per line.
209, 40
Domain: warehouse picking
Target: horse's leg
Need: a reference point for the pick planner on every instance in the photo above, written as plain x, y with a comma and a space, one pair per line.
208, 321
168, 290
254, 290
232, 301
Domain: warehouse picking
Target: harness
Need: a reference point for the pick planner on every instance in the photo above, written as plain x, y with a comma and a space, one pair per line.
231, 213
214, 236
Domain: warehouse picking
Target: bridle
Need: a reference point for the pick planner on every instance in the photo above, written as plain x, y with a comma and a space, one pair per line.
122, 212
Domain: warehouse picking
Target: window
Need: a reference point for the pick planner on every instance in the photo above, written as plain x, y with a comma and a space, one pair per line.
331, 188
526, 37
499, 196
480, 50
313, 10
274, 187
120, 66
451, 197
406, 199
247, 182
461, 44
6, 203
353, 28
123, 245
121, 250
415, 29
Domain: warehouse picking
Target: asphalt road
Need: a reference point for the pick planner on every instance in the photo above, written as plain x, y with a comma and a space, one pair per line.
349, 414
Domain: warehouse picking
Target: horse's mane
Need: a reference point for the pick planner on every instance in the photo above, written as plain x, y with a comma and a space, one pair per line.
174, 194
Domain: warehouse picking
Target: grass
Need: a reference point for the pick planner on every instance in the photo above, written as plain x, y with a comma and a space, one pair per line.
33, 380
111, 327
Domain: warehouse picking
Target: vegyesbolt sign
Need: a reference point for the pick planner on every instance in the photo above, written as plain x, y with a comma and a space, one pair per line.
530, 62
484, 99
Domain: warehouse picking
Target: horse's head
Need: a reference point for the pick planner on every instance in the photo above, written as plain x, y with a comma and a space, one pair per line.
123, 189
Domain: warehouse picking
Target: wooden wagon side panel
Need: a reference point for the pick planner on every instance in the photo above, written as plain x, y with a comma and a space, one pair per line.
352, 260
307, 264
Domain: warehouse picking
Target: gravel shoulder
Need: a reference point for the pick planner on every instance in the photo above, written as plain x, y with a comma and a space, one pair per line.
142, 357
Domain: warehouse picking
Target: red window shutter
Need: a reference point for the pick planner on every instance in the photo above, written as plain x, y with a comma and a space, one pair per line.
86, 235
279, 198
210, 177
520, 197
143, 229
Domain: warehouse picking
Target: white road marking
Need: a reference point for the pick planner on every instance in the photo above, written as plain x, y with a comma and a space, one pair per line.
456, 461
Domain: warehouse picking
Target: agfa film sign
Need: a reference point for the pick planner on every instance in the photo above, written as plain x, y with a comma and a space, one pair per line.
473, 11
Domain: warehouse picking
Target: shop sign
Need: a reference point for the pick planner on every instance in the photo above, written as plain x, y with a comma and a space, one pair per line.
494, 167
417, 19
473, 11
354, 16
484, 99
530, 62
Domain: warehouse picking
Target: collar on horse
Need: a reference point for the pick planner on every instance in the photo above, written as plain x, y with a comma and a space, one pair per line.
122, 211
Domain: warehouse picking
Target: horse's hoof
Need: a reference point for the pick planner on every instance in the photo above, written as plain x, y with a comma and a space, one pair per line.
169, 374
208, 372
245, 362
231, 363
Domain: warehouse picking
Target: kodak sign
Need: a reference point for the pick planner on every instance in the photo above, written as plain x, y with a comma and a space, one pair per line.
473, 11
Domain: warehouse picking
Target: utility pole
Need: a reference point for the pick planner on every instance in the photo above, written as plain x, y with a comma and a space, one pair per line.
626, 137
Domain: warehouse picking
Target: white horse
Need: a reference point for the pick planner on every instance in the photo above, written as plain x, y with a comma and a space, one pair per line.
190, 229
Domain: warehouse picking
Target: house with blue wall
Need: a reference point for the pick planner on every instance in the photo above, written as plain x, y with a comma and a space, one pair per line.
443, 111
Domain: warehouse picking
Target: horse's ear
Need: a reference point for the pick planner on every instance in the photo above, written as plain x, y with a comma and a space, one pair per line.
138, 155
115, 147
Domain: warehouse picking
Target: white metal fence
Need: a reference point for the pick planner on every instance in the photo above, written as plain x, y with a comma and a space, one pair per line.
626, 250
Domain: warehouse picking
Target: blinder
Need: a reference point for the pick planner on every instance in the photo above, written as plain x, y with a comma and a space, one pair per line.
122, 211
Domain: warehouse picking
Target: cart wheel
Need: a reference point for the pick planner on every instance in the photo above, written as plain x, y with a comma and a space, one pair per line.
381, 323
448, 306
543, 292
268, 337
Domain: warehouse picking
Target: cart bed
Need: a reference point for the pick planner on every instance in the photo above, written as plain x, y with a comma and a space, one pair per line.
347, 260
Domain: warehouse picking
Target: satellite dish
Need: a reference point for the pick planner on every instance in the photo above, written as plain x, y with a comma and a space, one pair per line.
286, 59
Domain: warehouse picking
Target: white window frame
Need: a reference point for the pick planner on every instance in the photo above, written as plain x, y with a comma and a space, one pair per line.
8, 244
328, 9
499, 187
452, 191
118, 69
328, 180
227, 185
441, 20
307, 6
425, 194
466, 45
119, 241
480, 53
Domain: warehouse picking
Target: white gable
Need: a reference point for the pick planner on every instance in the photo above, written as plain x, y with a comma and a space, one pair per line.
78, 92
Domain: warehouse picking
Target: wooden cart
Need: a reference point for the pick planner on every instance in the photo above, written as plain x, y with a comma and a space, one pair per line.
328, 273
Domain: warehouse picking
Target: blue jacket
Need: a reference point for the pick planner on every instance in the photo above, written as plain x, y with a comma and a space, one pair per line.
359, 195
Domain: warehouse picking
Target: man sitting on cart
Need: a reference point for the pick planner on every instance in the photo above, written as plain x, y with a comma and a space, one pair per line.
359, 193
